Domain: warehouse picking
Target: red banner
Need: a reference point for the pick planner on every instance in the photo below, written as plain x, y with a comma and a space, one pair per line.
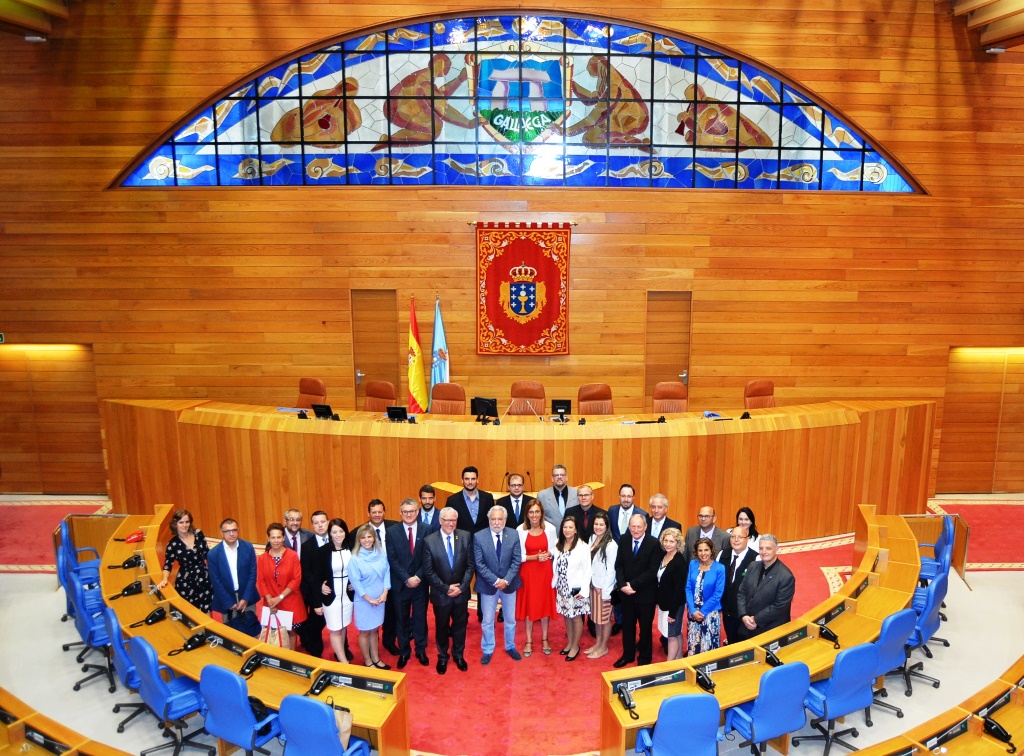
522, 272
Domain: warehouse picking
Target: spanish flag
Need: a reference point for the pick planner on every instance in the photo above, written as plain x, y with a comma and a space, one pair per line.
417, 383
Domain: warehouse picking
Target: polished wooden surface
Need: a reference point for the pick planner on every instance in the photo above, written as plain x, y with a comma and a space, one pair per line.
382, 719
803, 469
860, 622
235, 293
13, 736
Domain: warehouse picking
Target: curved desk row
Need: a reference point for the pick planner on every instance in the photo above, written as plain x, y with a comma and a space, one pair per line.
961, 729
376, 698
883, 584
803, 469
23, 730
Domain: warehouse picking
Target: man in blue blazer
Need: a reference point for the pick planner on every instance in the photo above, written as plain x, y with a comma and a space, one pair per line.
497, 559
408, 587
448, 568
429, 514
619, 514
232, 566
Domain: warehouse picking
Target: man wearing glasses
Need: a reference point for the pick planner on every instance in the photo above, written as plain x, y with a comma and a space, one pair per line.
706, 529
560, 497
232, 565
516, 501
448, 569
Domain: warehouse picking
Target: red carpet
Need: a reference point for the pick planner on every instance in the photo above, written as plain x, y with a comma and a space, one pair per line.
988, 548
27, 545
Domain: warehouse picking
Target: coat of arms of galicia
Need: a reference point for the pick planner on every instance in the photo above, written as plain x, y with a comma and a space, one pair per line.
523, 298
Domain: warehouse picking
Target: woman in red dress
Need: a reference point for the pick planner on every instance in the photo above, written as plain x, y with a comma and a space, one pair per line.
278, 574
536, 598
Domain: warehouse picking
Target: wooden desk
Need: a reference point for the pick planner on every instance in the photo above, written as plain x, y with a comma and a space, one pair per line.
860, 622
382, 718
22, 729
220, 459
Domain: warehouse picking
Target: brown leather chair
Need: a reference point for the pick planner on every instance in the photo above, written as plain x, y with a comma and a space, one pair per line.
311, 391
447, 399
759, 393
379, 396
595, 399
527, 398
669, 396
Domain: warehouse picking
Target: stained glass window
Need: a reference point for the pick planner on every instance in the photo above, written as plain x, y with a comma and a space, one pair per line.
519, 101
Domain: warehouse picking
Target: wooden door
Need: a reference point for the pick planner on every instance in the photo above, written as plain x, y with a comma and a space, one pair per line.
49, 421
667, 352
376, 353
1009, 465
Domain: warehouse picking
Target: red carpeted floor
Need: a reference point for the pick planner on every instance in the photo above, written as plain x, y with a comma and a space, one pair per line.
27, 545
988, 548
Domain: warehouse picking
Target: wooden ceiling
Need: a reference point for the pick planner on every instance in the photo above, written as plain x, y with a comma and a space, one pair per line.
1000, 23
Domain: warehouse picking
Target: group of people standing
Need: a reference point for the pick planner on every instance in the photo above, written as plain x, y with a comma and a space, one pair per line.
555, 555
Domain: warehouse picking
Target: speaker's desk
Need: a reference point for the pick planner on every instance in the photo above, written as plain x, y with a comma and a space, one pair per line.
855, 614
377, 698
803, 469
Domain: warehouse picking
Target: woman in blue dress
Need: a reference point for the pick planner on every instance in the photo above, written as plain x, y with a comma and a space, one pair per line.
370, 576
704, 588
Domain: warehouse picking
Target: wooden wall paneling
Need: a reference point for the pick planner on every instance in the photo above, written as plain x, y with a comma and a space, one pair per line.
19, 444
971, 413
376, 350
1008, 474
667, 339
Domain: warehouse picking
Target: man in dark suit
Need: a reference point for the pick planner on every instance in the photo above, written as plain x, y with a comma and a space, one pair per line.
497, 557
232, 565
311, 631
737, 560
658, 504
636, 577
428, 512
706, 529
471, 503
559, 497
409, 589
516, 501
380, 524
448, 568
295, 536
584, 512
766, 593
619, 514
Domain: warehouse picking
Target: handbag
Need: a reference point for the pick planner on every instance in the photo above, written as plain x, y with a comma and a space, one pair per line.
272, 633
342, 718
244, 622
259, 710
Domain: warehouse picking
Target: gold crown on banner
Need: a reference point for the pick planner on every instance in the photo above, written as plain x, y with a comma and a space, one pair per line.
523, 272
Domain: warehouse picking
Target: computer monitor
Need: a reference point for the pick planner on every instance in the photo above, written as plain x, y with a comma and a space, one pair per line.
397, 414
322, 411
483, 407
561, 406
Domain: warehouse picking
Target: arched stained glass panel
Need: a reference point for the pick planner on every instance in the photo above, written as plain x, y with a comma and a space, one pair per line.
510, 100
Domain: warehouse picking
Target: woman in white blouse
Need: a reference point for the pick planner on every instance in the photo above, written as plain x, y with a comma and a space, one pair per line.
571, 581
603, 551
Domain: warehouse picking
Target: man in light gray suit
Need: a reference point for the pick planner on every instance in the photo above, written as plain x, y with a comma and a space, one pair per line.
497, 558
706, 529
559, 497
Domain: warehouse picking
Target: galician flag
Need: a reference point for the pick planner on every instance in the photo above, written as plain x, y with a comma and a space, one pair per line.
417, 383
439, 368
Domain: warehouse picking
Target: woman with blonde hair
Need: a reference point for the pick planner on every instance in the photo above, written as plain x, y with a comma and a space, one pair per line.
371, 578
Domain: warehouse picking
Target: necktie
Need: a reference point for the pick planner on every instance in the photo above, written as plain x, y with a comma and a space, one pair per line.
295, 543
562, 496
426, 520
497, 546
586, 520
451, 554
636, 547
412, 541
732, 567
515, 505
623, 519
378, 536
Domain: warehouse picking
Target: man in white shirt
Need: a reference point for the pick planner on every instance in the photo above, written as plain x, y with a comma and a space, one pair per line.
408, 587
660, 519
428, 512
232, 566
516, 501
311, 631
737, 559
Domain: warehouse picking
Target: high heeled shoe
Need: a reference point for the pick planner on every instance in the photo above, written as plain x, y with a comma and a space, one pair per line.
569, 658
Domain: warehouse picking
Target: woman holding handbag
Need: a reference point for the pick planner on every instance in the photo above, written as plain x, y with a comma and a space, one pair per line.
278, 575
332, 574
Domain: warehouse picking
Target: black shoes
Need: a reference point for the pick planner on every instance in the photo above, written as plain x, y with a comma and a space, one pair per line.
461, 664
442, 666
422, 659
403, 660
622, 662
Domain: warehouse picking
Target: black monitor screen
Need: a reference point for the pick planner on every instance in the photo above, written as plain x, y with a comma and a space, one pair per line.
482, 407
561, 406
323, 411
398, 413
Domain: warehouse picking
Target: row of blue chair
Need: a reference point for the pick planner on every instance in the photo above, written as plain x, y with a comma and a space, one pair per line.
306, 726
786, 691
